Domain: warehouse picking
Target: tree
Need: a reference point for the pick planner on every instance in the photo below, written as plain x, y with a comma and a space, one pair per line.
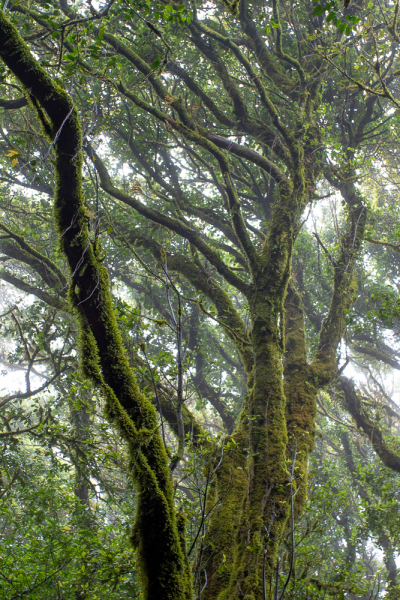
234, 122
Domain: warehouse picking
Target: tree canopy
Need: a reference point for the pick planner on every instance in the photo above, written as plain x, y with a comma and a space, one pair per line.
200, 254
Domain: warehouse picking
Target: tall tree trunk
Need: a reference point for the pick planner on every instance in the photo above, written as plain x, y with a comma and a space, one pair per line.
164, 568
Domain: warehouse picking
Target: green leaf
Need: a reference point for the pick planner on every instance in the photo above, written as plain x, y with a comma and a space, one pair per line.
318, 10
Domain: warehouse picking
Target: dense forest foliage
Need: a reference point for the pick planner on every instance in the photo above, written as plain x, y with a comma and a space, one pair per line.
200, 300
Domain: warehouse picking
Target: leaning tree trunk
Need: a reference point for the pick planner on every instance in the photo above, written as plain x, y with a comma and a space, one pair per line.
164, 567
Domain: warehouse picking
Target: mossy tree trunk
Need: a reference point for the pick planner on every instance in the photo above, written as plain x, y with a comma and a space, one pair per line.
279, 416
261, 437
164, 568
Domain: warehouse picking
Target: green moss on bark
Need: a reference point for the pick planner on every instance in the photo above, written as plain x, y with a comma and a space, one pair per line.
300, 394
227, 495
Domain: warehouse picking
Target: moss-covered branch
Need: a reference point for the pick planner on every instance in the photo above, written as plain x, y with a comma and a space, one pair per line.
325, 366
265, 58
207, 215
228, 316
177, 70
241, 110
13, 104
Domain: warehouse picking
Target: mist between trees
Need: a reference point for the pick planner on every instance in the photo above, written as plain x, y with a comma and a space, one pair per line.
200, 312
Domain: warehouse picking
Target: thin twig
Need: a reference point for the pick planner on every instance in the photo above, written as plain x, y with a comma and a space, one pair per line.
333, 261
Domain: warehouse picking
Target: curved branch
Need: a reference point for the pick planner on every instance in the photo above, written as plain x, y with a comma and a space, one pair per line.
374, 353
13, 104
172, 224
30, 289
266, 60
250, 155
175, 69
265, 99
27, 394
47, 270
353, 405
229, 318
395, 247
207, 215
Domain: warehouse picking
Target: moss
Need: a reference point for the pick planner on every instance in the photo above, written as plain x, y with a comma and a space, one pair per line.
155, 532
181, 525
232, 7
228, 495
261, 495
300, 394
324, 368
267, 499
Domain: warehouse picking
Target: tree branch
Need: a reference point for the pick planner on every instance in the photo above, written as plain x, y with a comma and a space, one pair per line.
172, 224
